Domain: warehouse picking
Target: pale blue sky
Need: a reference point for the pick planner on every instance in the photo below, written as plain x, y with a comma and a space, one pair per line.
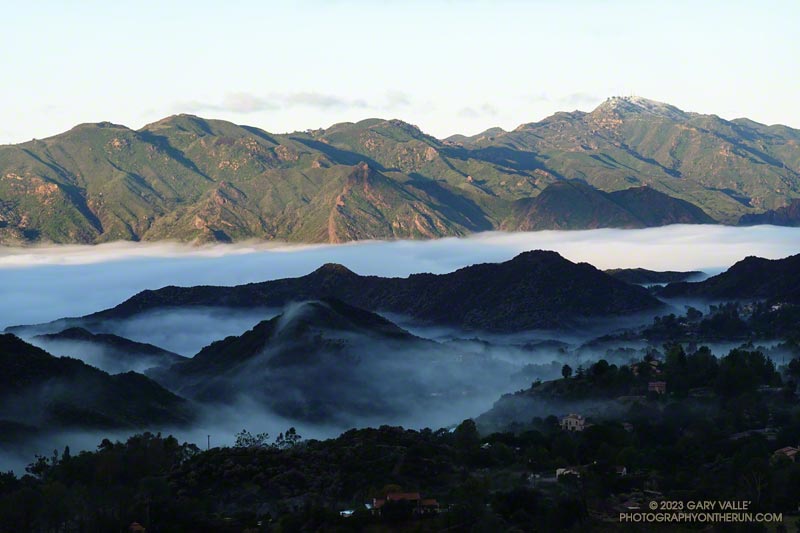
447, 66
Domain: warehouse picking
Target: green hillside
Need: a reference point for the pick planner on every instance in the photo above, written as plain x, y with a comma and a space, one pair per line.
192, 179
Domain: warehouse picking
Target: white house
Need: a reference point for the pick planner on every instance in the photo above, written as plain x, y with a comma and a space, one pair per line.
573, 422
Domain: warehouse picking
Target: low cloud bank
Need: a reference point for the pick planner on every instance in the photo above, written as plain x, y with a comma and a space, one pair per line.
44, 283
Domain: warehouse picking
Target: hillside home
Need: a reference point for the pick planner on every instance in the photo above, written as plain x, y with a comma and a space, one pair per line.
653, 365
659, 387
573, 422
568, 471
787, 451
419, 506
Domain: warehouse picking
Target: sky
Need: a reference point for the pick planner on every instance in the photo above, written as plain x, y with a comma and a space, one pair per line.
447, 66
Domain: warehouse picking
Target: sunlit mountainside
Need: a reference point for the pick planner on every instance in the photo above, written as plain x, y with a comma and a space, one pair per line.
629, 163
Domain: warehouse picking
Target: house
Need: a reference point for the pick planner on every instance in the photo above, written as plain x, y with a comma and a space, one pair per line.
428, 506
620, 470
653, 365
136, 527
573, 422
629, 505
787, 451
659, 387
568, 471
413, 497
627, 426
413, 501
347, 513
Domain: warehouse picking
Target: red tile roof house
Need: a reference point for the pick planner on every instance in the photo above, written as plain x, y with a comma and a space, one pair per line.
788, 451
659, 387
420, 506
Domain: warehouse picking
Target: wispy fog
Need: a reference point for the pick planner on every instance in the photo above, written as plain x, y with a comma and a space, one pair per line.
42, 284
185, 332
45, 283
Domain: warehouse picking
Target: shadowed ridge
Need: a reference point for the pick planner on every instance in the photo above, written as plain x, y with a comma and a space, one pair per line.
751, 278
300, 323
121, 346
537, 289
64, 392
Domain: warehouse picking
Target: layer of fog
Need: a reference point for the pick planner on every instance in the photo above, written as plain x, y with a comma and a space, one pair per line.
221, 422
418, 393
98, 356
183, 331
187, 331
43, 284
418, 386
359, 376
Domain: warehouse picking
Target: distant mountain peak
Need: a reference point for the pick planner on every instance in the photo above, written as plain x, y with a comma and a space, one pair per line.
538, 255
334, 268
182, 122
75, 333
90, 126
331, 313
403, 124
625, 105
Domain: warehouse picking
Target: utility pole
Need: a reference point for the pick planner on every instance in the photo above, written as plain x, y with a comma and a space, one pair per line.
208, 445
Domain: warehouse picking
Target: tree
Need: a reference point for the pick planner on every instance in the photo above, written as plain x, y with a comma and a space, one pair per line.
599, 368
794, 368
693, 314
288, 439
742, 371
466, 436
245, 439
39, 468
566, 371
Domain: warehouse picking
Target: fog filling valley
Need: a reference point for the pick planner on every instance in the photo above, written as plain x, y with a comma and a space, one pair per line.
437, 380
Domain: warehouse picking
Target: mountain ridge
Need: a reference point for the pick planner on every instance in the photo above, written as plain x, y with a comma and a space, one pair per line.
752, 278
189, 178
534, 290
327, 361
65, 392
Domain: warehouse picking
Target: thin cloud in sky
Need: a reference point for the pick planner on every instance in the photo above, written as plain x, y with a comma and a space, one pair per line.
571, 99
395, 99
322, 101
483, 110
581, 99
246, 102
